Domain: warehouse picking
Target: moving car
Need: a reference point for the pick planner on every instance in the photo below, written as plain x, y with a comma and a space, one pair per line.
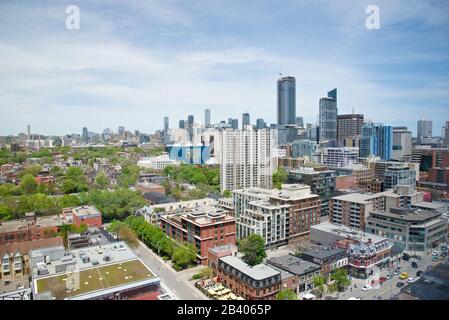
414, 264
406, 257
411, 280
377, 298
404, 276
400, 284
389, 276
434, 253
419, 273
417, 257
366, 287
354, 298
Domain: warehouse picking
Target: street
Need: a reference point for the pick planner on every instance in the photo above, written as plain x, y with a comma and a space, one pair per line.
388, 288
171, 281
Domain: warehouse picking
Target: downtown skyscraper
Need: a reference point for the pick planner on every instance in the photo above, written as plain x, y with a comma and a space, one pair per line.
424, 129
376, 140
286, 101
328, 119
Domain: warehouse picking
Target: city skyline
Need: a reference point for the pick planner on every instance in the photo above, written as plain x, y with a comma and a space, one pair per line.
130, 64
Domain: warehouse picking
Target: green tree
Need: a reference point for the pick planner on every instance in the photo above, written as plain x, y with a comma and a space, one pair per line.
227, 193
286, 294
319, 283
28, 184
279, 177
33, 170
5, 212
341, 278
101, 180
253, 249
75, 181
184, 256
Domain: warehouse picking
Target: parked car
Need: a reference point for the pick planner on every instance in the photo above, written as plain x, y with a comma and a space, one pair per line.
366, 287
377, 298
434, 253
419, 273
400, 284
389, 276
382, 279
396, 272
414, 264
406, 257
417, 257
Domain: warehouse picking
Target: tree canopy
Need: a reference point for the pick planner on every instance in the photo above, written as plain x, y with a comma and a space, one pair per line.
253, 249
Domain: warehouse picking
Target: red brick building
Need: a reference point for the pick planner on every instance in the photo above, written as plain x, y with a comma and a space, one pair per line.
29, 228
88, 215
204, 227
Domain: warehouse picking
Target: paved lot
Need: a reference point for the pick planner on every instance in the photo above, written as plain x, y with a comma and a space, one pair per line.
171, 281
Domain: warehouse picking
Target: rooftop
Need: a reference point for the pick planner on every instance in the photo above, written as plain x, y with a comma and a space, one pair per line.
293, 264
97, 269
323, 252
346, 232
417, 215
86, 211
257, 272
354, 197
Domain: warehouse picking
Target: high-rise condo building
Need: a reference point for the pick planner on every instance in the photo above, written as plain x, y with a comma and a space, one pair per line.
402, 144
328, 119
85, 135
245, 119
349, 126
376, 140
207, 118
247, 158
424, 129
165, 124
182, 124
286, 101
260, 124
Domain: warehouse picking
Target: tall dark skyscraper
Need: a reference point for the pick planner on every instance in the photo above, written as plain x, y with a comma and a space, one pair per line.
245, 119
260, 124
328, 119
85, 136
182, 124
190, 120
207, 117
299, 122
286, 101
165, 124
235, 123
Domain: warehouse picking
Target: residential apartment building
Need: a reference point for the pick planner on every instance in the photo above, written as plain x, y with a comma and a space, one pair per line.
411, 229
247, 158
402, 144
320, 180
376, 140
399, 175
279, 216
350, 210
205, 227
338, 157
349, 127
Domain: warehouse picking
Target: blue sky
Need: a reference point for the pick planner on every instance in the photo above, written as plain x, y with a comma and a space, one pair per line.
133, 62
